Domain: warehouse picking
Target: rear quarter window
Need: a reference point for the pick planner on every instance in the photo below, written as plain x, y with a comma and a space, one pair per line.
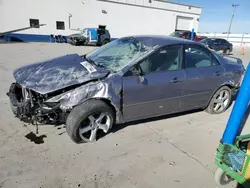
199, 57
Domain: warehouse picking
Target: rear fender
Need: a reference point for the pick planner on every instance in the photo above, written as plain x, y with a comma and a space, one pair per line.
228, 84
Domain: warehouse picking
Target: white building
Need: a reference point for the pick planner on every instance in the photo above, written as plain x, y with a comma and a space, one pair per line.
121, 17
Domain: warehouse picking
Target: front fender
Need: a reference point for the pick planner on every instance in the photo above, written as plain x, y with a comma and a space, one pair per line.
119, 114
106, 91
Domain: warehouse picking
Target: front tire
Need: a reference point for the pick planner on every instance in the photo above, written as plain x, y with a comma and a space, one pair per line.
220, 101
86, 120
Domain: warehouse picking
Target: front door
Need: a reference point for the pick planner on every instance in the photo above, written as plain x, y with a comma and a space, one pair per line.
216, 44
221, 45
204, 76
160, 91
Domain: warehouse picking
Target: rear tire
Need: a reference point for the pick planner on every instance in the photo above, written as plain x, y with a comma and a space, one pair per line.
220, 101
79, 125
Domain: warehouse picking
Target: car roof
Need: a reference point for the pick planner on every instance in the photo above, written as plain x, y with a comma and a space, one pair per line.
161, 40
212, 38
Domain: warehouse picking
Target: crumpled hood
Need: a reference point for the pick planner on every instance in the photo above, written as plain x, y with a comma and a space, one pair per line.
58, 73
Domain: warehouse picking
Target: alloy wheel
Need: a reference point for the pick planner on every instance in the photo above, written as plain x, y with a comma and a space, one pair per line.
221, 101
90, 126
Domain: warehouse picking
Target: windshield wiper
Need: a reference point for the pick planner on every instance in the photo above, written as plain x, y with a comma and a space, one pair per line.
89, 60
93, 62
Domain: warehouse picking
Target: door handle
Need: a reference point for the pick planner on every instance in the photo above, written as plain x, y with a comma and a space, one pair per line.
218, 73
175, 80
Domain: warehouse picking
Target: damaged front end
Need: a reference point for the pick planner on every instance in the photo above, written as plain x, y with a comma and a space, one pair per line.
37, 83
30, 106
53, 108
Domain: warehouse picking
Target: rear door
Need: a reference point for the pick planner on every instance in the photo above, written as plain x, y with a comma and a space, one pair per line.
222, 44
204, 76
225, 44
162, 88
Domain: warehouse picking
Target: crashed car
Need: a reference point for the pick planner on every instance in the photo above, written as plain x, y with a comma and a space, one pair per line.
131, 78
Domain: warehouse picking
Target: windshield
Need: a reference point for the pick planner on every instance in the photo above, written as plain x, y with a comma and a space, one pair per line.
84, 32
115, 55
176, 34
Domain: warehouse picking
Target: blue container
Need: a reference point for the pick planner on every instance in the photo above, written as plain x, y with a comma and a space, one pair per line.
235, 120
192, 35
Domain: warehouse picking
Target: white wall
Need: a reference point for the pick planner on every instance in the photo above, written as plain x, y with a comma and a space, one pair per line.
124, 17
16, 14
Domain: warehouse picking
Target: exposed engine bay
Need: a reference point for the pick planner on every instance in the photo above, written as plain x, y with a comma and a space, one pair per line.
31, 107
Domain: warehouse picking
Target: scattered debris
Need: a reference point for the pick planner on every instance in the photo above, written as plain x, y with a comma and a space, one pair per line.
62, 133
172, 163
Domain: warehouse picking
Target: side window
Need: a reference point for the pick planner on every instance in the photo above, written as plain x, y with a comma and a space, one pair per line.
199, 57
101, 32
166, 59
216, 41
34, 23
221, 42
224, 41
106, 32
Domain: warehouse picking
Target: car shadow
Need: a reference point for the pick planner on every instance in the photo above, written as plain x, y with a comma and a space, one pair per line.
119, 127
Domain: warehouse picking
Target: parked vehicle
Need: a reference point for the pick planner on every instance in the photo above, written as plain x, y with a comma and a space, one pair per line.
218, 44
186, 35
128, 79
93, 36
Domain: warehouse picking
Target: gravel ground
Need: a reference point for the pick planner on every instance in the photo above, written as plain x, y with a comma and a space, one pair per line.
172, 151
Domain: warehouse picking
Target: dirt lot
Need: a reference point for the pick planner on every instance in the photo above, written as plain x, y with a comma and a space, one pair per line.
169, 152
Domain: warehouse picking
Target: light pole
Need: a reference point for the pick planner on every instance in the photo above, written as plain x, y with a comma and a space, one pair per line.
234, 8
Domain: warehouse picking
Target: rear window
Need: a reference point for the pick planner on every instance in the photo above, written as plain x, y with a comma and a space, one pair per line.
231, 59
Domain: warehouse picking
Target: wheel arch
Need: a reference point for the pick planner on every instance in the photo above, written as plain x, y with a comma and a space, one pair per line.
230, 86
117, 112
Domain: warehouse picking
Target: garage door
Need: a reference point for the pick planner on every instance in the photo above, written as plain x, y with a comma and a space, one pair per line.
184, 23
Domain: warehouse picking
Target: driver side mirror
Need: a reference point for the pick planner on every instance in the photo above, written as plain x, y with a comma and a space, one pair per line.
137, 71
